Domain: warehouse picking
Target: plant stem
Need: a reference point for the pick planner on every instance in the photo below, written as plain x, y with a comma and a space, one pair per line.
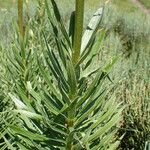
79, 17
22, 43
20, 17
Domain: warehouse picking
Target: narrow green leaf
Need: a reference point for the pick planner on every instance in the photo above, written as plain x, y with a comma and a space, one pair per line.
28, 134
114, 146
105, 141
29, 114
48, 81
95, 49
105, 116
25, 99
56, 66
60, 22
115, 119
91, 29
9, 144
72, 80
22, 147
61, 51
91, 88
88, 51
110, 65
72, 26
89, 109
19, 104
65, 96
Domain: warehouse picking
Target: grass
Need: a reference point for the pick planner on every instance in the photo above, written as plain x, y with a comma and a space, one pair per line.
130, 35
6, 3
146, 3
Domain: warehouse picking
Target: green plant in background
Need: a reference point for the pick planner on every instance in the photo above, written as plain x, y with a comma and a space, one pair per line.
69, 105
145, 3
16, 66
20, 17
5, 107
133, 73
7, 117
134, 90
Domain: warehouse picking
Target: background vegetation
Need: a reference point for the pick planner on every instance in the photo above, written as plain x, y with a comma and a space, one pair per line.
145, 3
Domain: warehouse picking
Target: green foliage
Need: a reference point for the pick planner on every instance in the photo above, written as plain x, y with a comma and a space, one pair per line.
45, 98
131, 73
145, 3
59, 104
17, 66
135, 92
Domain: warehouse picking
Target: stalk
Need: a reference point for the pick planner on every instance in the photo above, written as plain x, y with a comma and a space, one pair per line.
21, 28
20, 17
22, 44
79, 17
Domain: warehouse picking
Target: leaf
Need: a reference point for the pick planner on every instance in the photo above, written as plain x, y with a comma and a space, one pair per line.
89, 108
51, 107
106, 127
24, 98
60, 22
114, 146
60, 131
19, 104
65, 96
9, 144
92, 87
72, 26
22, 147
28, 134
29, 114
95, 49
48, 81
61, 51
107, 139
56, 68
110, 65
105, 116
91, 29
72, 80
88, 51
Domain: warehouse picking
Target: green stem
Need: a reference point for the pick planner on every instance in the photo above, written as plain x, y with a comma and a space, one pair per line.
20, 17
70, 124
21, 28
79, 17
22, 43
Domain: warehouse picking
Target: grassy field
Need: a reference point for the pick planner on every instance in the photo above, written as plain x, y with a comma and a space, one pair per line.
127, 37
145, 3
8, 11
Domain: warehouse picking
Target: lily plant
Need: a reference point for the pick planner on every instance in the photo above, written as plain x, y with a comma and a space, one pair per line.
69, 106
